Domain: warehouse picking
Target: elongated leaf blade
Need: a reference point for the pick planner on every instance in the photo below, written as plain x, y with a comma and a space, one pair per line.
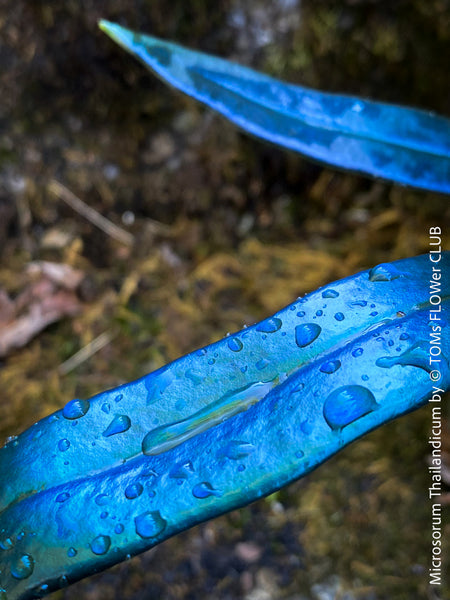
396, 143
104, 479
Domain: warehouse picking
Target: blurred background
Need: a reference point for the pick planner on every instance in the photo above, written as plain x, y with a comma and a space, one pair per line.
207, 230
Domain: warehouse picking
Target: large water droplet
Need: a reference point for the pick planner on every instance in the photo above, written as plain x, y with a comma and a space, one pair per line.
234, 344
385, 272
416, 356
331, 366
269, 325
204, 490
235, 450
75, 409
134, 490
149, 524
161, 439
119, 424
339, 316
347, 404
6, 544
330, 294
63, 445
306, 334
23, 567
100, 545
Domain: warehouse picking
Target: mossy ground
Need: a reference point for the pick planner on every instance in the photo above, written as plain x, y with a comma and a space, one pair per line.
226, 230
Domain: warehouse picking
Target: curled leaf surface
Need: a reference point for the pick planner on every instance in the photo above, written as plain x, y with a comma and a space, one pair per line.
112, 476
397, 143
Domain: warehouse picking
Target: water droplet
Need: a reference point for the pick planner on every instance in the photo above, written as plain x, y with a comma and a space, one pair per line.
384, 272
404, 336
347, 404
357, 352
100, 545
163, 438
75, 409
234, 344
331, 366
319, 313
330, 294
301, 313
306, 427
39, 591
71, 552
262, 364
359, 303
119, 424
211, 361
106, 407
62, 581
235, 450
269, 325
6, 544
306, 334
104, 514
118, 398
374, 313
134, 490
416, 356
62, 497
365, 377
149, 524
196, 378
241, 468
181, 470
339, 316
119, 528
299, 454
63, 445
205, 490
101, 499
23, 567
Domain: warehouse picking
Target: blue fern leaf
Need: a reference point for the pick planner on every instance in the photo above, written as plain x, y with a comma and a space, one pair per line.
109, 477
397, 143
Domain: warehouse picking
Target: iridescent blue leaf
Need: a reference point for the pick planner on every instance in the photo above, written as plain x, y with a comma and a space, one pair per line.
396, 143
86, 487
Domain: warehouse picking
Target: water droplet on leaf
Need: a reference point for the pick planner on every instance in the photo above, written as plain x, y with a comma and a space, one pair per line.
134, 490
347, 404
149, 524
306, 334
331, 366
204, 490
63, 445
75, 409
234, 344
330, 294
23, 567
269, 325
100, 545
119, 424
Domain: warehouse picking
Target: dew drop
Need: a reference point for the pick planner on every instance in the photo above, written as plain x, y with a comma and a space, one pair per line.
306, 427
63, 445
241, 468
149, 524
205, 490
134, 490
404, 336
319, 313
339, 316
299, 454
384, 272
118, 398
262, 364
119, 424
106, 407
374, 313
416, 356
100, 545
62, 497
235, 450
331, 366
301, 313
269, 325
71, 552
6, 544
347, 404
101, 499
359, 303
330, 294
103, 515
119, 528
75, 409
357, 352
234, 344
211, 361
23, 567
306, 334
